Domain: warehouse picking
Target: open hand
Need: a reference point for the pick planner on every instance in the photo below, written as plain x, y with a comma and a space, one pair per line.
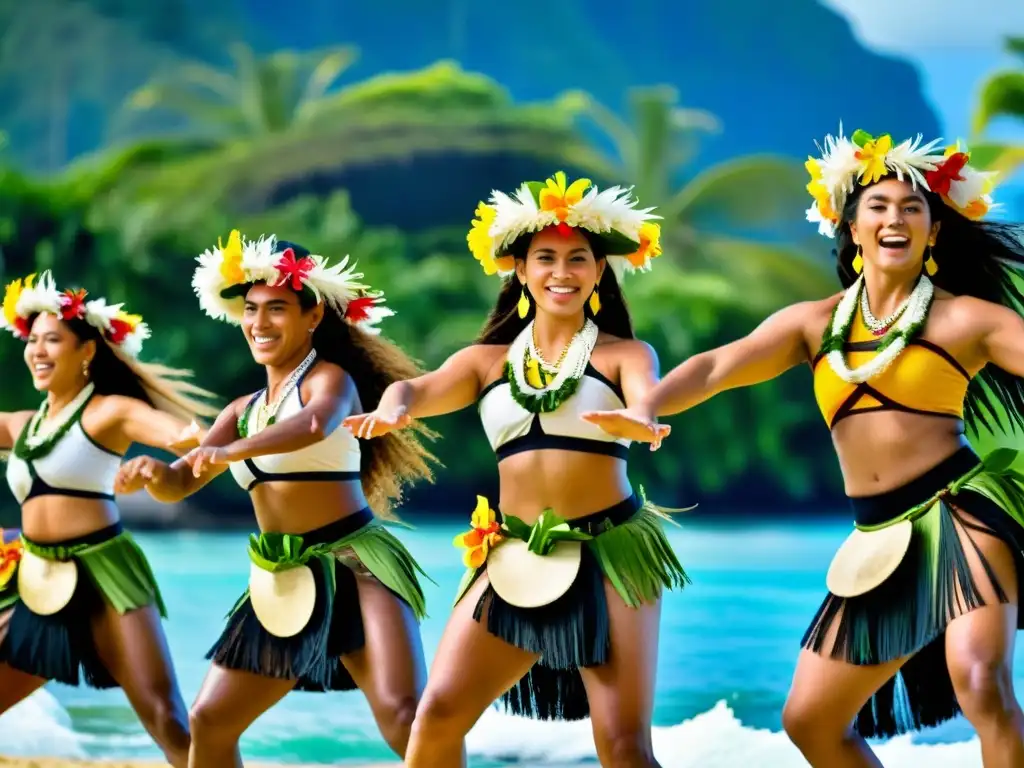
629, 424
203, 458
140, 472
369, 425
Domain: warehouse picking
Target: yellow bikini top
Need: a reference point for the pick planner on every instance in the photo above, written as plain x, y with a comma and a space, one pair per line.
924, 379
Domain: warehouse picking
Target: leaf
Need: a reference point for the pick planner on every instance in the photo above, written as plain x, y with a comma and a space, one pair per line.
517, 527
860, 137
992, 156
568, 535
999, 460
1001, 94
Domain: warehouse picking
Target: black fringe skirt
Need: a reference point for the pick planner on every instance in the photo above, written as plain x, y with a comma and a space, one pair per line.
909, 612
313, 656
574, 631
61, 646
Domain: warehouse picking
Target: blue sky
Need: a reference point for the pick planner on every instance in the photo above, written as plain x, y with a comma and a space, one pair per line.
954, 48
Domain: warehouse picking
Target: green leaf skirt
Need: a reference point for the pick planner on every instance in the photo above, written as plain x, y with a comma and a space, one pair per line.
909, 612
313, 656
629, 548
112, 571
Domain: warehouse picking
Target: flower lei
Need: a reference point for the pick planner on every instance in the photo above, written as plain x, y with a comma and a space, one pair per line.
563, 386
910, 324
35, 441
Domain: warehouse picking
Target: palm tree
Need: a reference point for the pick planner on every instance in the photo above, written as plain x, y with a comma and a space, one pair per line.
1001, 94
727, 263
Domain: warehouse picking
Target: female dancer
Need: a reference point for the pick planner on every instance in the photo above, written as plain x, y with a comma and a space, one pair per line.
558, 629
304, 623
75, 589
926, 588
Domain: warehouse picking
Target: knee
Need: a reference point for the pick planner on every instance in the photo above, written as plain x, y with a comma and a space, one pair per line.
618, 748
985, 691
211, 725
395, 719
440, 715
165, 718
806, 727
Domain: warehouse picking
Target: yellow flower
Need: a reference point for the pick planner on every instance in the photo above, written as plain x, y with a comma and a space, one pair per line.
556, 197
481, 244
484, 534
872, 159
11, 295
650, 244
817, 189
131, 320
231, 259
10, 556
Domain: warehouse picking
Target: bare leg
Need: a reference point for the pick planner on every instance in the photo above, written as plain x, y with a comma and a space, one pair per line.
133, 648
390, 669
825, 697
979, 653
228, 703
471, 669
15, 685
621, 692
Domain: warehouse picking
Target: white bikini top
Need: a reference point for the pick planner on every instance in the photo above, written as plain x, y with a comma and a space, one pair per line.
336, 457
75, 466
511, 429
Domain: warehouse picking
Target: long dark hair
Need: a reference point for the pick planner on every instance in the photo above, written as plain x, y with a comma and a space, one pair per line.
112, 372
975, 258
390, 463
504, 324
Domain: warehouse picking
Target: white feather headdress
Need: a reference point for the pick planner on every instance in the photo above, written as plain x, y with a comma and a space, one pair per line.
629, 233
225, 273
864, 159
26, 297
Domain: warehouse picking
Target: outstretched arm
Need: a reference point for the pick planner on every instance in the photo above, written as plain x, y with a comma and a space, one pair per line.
770, 350
452, 387
11, 425
1002, 337
140, 422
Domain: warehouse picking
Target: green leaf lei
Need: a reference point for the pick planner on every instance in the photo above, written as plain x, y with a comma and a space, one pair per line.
26, 452
836, 342
545, 403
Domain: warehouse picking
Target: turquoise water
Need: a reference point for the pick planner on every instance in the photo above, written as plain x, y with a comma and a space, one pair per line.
728, 646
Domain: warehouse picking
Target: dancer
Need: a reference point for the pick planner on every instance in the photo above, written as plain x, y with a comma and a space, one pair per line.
926, 335
564, 626
76, 592
333, 599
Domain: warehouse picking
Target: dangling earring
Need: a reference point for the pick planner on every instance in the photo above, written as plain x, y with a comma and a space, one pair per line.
858, 262
930, 265
595, 302
85, 368
524, 304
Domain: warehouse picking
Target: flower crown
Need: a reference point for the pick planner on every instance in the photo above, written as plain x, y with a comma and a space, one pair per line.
225, 274
866, 159
630, 238
26, 297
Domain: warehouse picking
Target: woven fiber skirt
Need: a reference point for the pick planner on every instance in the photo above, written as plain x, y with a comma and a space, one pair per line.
931, 586
335, 625
625, 544
111, 570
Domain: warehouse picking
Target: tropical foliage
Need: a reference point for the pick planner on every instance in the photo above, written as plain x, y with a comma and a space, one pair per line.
1001, 95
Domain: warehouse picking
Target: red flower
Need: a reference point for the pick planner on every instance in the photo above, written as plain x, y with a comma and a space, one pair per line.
72, 305
359, 309
940, 179
294, 271
21, 327
119, 331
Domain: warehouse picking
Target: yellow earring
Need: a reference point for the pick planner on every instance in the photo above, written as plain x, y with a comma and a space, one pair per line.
930, 265
523, 306
858, 262
595, 302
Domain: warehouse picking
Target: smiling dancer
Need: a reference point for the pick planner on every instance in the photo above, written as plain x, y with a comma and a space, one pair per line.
926, 334
559, 610
333, 598
76, 592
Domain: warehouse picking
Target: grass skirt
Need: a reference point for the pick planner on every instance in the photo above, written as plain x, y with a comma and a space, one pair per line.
909, 612
336, 627
112, 570
630, 549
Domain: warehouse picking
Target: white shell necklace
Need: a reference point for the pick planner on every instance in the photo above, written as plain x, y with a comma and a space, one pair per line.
876, 326
573, 364
266, 413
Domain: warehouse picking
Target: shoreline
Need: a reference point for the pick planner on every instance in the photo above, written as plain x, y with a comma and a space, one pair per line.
66, 762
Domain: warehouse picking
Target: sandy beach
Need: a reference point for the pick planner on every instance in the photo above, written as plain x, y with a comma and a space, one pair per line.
58, 762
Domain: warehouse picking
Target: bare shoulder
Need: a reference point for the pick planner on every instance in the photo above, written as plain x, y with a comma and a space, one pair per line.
485, 359
114, 407
970, 311
626, 349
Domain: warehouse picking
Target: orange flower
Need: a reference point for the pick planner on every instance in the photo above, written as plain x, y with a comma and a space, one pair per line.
556, 197
485, 534
10, 556
650, 245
